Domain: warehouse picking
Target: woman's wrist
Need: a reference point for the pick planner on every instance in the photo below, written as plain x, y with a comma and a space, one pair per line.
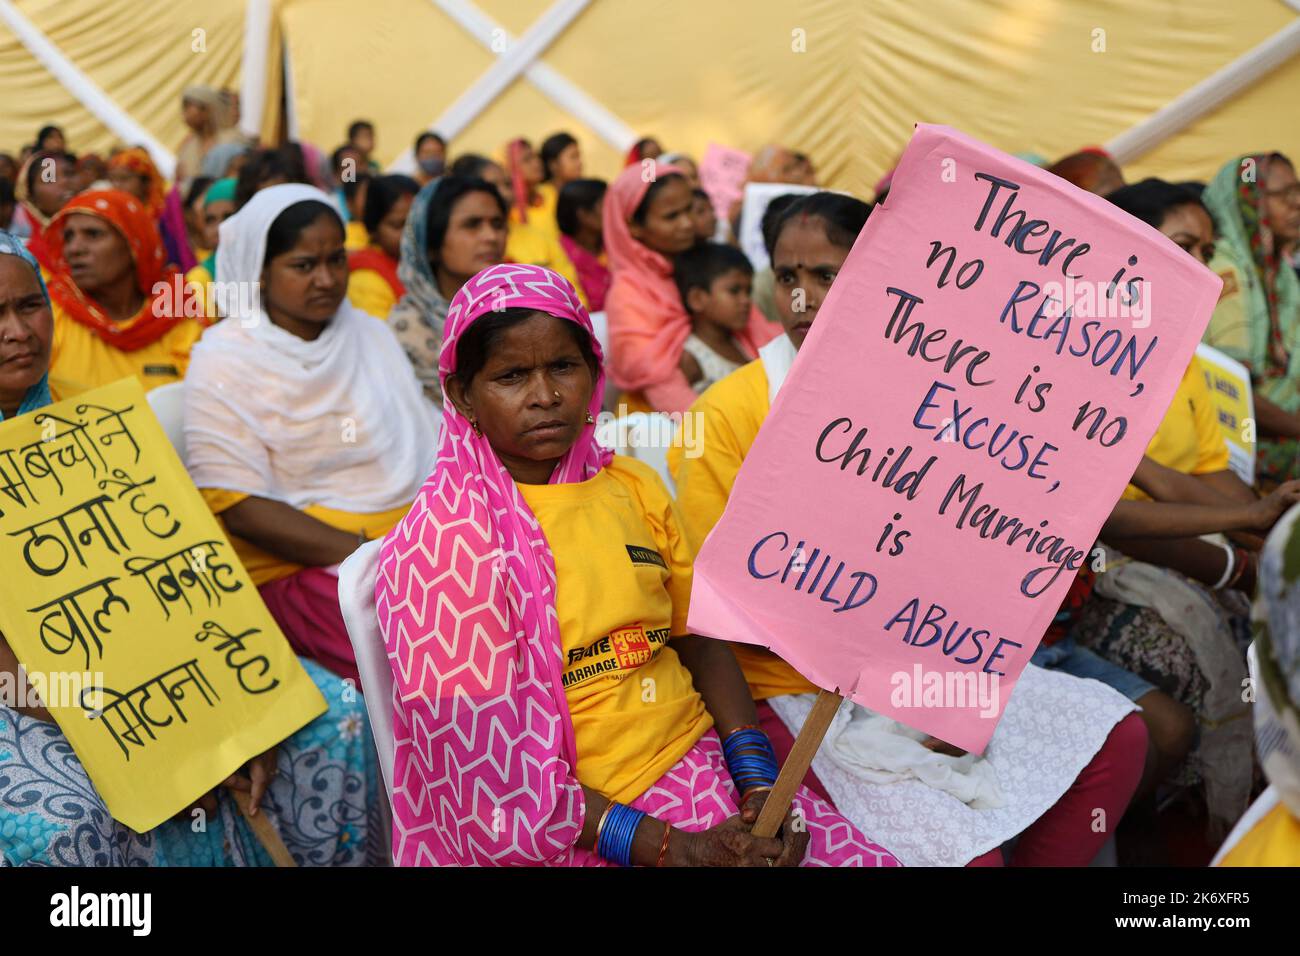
649, 840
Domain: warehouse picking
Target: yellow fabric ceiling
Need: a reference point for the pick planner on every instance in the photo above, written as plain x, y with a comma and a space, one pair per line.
1022, 76
141, 53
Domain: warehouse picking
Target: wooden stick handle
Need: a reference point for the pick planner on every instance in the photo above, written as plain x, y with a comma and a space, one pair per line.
796, 765
263, 829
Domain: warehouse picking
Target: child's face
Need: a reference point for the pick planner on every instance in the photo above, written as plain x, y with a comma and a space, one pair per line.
727, 302
704, 218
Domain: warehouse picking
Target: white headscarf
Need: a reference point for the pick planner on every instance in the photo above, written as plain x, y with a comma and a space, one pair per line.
339, 422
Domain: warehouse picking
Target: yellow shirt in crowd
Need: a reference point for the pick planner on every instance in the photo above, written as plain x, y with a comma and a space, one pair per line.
1273, 841
733, 410
264, 567
1189, 438
533, 245
197, 281
80, 360
623, 585
355, 236
370, 292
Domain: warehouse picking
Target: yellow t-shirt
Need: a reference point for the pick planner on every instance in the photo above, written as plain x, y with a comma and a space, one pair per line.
623, 585
197, 281
1189, 438
1273, 841
80, 360
528, 244
262, 566
542, 216
355, 236
370, 292
732, 412
1229, 329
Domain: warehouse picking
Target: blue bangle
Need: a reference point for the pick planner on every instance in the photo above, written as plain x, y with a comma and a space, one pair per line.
750, 759
615, 843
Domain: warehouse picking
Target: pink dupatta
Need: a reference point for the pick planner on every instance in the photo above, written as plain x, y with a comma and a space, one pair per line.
485, 755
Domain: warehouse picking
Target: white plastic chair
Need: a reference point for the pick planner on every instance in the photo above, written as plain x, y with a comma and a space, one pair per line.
168, 404
643, 436
357, 577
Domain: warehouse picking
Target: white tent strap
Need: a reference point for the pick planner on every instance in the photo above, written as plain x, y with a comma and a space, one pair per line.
517, 57
85, 89
1206, 95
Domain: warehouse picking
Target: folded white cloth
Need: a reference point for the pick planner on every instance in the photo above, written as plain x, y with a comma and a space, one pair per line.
878, 749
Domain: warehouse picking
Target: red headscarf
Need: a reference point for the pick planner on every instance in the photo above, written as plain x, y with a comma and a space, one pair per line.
134, 223
518, 185
137, 160
648, 324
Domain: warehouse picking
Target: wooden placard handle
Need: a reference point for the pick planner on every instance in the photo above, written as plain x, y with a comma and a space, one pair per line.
263, 829
792, 773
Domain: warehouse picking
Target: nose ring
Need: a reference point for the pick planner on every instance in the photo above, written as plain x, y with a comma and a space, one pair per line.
557, 394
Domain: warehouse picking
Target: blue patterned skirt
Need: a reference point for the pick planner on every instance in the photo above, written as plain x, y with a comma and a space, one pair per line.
324, 800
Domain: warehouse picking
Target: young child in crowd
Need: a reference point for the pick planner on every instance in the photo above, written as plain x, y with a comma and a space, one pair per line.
702, 214
715, 282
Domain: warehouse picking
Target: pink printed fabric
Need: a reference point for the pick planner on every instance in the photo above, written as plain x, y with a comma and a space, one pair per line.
483, 770
697, 793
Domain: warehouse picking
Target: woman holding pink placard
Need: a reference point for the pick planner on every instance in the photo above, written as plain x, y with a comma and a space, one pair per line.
1066, 752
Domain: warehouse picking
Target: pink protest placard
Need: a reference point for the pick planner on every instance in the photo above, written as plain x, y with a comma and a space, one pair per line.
723, 171
975, 393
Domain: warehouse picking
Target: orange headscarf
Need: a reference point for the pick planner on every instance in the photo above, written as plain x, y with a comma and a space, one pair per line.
137, 160
134, 223
648, 324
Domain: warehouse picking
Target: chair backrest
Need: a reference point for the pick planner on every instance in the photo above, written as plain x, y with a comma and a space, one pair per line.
168, 403
357, 601
643, 436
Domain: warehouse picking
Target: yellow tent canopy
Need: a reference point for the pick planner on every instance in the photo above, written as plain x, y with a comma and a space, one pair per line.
1173, 87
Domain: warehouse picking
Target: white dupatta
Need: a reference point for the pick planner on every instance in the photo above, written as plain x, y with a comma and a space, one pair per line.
339, 422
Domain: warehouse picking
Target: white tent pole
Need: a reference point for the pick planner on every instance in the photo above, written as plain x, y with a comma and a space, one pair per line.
257, 39
1206, 95
85, 89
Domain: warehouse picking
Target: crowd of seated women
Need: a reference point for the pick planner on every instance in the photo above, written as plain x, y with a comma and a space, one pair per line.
412, 358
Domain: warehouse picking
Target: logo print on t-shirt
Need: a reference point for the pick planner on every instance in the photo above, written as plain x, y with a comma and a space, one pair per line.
631, 647
646, 556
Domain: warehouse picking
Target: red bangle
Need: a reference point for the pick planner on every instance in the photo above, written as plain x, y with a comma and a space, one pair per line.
663, 847
744, 797
736, 730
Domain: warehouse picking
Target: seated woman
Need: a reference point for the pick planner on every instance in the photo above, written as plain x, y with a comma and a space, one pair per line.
45, 182
561, 164
374, 285
304, 427
320, 787
132, 171
456, 227
578, 215
1176, 610
646, 225
526, 173
1269, 834
218, 205
601, 730
115, 308
1048, 768
1257, 320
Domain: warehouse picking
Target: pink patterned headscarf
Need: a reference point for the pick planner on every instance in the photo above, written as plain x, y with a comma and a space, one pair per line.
485, 755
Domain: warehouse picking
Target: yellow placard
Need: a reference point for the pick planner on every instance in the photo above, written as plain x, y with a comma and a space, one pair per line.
1229, 382
128, 609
